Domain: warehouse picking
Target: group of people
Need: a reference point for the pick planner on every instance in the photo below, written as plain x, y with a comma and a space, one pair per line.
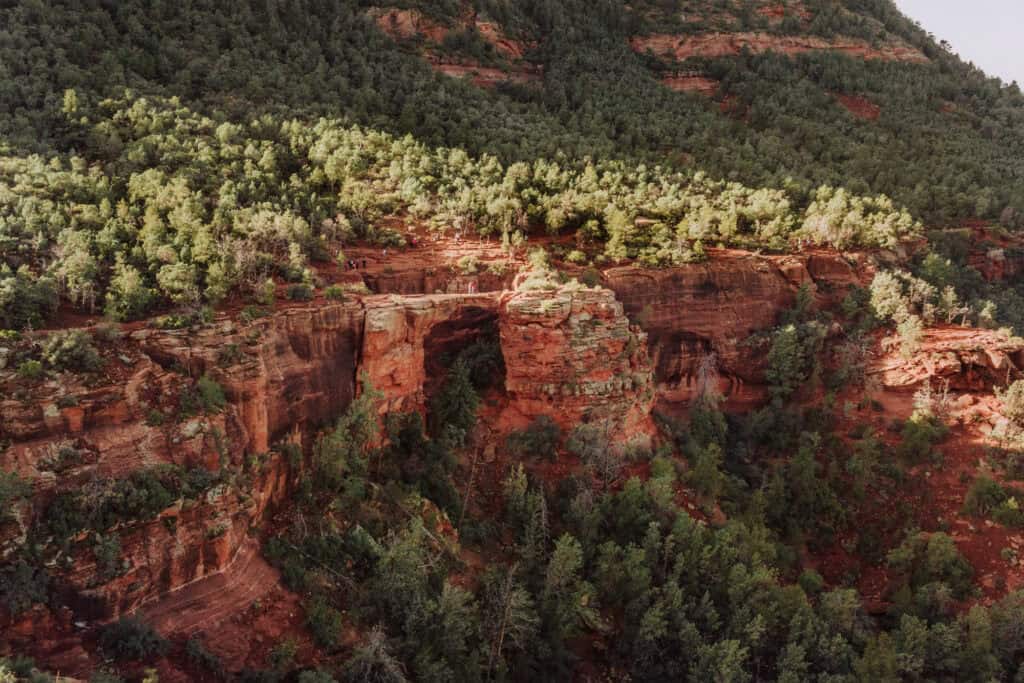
353, 264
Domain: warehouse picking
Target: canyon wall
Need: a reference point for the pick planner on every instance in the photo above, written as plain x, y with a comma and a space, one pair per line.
572, 355
711, 308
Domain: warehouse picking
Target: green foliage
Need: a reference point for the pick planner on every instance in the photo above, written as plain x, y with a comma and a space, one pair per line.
128, 296
211, 395
12, 490
108, 556
300, 292
799, 497
793, 360
918, 437
131, 639
341, 457
22, 585
374, 663
925, 560
200, 656
453, 410
334, 293
539, 440
25, 299
71, 350
325, 623
1013, 402
986, 498
104, 503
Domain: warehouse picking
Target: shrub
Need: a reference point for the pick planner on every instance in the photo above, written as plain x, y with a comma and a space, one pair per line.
811, 581
591, 277
229, 355
454, 407
1009, 513
71, 350
250, 313
130, 639
109, 333
30, 370
108, 556
199, 655
12, 488
128, 297
334, 293
325, 622
910, 333
299, 291
1013, 402
25, 301
211, 395
541, 438
918, 437
576, 256
984, 496
283, 655
142, 496
468, 265
266, 293
22, 585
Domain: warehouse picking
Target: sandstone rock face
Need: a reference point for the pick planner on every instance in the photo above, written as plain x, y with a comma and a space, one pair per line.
285, 373
297, 367
726, 44
572, 354
710, 308
996, 265
968, 359
403, 335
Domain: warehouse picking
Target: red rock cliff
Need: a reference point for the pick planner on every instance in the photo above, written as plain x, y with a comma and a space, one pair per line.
572, 354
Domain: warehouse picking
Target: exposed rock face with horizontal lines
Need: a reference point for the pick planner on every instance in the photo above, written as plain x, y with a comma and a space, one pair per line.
711, 308
965, 359
572, 354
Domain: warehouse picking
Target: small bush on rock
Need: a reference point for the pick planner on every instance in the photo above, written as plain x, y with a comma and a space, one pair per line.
71, 350
131, 639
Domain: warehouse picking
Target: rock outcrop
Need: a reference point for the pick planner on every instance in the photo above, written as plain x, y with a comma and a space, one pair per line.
712, 45
403, 335
966, 359
710, 308
572, 354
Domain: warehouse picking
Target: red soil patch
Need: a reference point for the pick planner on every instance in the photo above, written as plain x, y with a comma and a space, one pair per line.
487, 77
860, 107
729, 44
779, 10
931, 499
511, 49
408, 24
691, 83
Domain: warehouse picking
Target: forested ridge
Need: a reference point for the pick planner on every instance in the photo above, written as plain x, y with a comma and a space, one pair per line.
160, 156
76, 77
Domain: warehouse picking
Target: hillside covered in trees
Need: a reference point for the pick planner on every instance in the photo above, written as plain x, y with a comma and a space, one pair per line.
243, 121
507, 340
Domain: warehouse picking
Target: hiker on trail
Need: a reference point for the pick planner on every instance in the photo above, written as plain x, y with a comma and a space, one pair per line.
364, 264
384, 252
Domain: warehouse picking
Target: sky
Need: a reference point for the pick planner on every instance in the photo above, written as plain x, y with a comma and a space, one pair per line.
986, 32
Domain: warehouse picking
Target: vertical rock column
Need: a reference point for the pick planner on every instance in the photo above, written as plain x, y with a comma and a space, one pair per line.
572, 354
